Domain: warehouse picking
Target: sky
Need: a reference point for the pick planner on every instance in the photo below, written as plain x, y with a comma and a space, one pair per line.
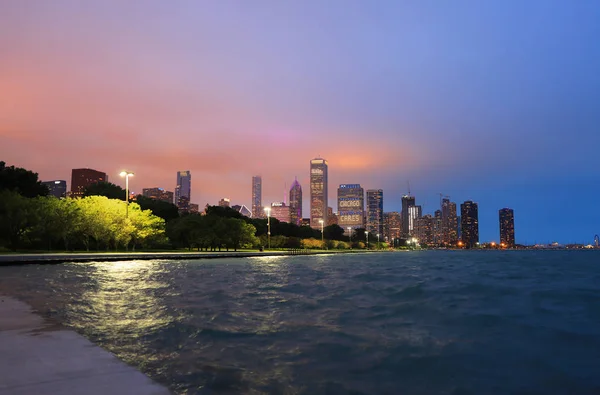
492, 101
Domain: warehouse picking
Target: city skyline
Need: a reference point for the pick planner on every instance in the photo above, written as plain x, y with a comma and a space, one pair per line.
458, 105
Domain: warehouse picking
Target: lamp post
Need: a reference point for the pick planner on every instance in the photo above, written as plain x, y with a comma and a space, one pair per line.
377, 240
350, 235
367, 234
268, 211
322, 233
126, 174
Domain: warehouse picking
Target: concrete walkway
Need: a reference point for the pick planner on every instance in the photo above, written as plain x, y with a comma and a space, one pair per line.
39, 358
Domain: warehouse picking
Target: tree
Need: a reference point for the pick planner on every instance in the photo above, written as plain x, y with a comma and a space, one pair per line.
334, 232
17, 217
22, 181
165, 210
107, 189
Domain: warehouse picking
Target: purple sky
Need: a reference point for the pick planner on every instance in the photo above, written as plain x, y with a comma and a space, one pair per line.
498, 102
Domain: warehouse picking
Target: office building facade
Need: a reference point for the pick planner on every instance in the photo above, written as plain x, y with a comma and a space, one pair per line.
280, 211
257, 207
296, 203
469, 224
83, 178
507, 228
183, 190
375, 211
351, 202
318, 192
158, 194
56, 188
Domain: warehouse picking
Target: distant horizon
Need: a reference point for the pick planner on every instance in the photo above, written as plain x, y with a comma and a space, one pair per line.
442, 95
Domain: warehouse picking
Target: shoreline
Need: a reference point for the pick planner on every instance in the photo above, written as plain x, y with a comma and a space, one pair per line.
40, 356
56, 258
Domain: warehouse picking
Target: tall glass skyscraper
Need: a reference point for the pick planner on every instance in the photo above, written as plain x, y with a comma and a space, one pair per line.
351, 206
507, 228
257, 207
407, 201
375, 211
183, 190
318, 192
296, 203
469, 217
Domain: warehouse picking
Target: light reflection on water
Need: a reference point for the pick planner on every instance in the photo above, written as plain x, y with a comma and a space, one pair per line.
415, 323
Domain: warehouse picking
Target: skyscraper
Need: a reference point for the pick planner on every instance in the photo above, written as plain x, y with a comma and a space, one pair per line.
318, 192
375, 211
183, 190
296, 203
507, 227
56, 188
280, 211
469, 224
449, 222
393, 226
438, 235
424, 229
414, 213
407, 201
257, 207
225, 202
351, 203
83, 178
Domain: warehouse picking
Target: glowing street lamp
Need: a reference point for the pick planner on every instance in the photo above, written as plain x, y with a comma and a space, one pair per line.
322, 233
350, 233
367, 234
126, 174
268, 211
377, 240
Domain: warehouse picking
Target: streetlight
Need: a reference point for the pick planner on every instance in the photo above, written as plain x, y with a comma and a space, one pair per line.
367, 233
268, 211
377, 240
322, 235
126, 174
350, 234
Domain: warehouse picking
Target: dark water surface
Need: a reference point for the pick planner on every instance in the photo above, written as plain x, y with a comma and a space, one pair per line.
437, 322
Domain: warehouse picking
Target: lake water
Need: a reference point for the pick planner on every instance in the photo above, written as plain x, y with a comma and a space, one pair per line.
430, 322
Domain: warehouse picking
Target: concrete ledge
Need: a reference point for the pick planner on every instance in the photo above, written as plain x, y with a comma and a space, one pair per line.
18, 259
40, 358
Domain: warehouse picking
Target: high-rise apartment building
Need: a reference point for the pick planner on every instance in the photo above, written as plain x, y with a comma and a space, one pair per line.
56, 188
351, 203
332, 218
225, 202
438, 234
449, 222
375, 211
280, 211
507, 228
407, 201
83, 178
414, 213
469, 224
158, 194
296, 203
424, 229
392, 226
183, 190
257, 207
318, 192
